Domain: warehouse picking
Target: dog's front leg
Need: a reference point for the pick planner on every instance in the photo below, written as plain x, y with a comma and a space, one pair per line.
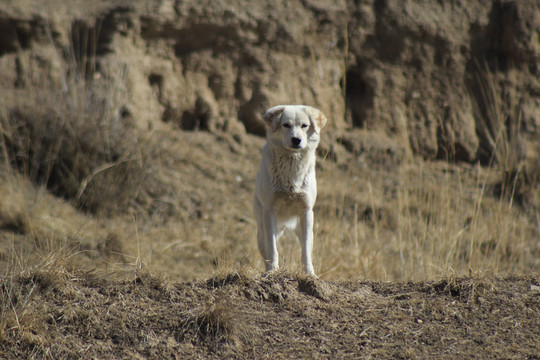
271, 257
305, 234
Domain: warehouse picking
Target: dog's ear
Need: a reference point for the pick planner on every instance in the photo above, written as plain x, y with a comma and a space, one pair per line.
272, 116
316, 117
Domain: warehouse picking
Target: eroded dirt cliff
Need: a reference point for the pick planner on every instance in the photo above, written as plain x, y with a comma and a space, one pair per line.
417, 70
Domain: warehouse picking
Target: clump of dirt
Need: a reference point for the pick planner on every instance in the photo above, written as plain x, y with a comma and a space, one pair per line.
280, 316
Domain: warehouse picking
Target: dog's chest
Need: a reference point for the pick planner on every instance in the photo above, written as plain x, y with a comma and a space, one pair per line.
291, 174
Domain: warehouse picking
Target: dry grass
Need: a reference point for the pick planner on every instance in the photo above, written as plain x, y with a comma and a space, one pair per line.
424, 221
74, 134
498, 114
431, 220
180, 202
76, 144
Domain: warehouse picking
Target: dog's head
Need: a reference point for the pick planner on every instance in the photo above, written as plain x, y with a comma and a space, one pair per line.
297, 127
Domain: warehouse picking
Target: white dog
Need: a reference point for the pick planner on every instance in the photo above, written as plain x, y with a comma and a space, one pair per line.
286, 188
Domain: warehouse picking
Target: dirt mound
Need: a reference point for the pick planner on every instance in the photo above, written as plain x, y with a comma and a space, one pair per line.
65, 315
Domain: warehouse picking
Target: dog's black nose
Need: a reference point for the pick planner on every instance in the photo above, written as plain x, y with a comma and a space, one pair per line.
296, 141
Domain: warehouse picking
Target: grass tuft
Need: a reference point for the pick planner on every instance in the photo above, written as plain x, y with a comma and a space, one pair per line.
498, 115
217, 325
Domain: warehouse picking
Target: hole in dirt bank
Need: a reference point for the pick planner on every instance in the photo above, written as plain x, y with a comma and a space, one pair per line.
250, 113
156, 83
505, 29
193, 120
8, 37
16, 34
155, 80
500, 43
202, 36
358, 97
197, 118
449, 148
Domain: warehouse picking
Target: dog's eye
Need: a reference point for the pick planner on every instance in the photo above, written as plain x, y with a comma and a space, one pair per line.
286, 126
304, 126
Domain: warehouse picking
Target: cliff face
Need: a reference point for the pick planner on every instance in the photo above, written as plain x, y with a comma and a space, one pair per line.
424, 69
427, 74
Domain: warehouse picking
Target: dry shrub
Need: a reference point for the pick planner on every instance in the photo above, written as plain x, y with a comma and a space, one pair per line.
18, 316
498, 115
50, 266
217, 324
73, 133
77, 143
152, 279
498, 119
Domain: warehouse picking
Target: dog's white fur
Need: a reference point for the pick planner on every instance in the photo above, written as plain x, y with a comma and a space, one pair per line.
286, 188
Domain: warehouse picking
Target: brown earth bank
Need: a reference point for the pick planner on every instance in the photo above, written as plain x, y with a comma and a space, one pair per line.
64, 315
424, 72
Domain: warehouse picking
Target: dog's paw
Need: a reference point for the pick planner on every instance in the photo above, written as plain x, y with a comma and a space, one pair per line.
271, 267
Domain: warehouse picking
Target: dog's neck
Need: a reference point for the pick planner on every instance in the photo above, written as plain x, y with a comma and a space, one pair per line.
290, 169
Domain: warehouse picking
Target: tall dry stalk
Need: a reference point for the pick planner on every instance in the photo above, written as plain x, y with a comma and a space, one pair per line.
498, 124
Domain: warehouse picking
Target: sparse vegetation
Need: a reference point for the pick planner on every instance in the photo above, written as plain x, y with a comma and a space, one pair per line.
74, 137
498, 114
431, 219
75, 147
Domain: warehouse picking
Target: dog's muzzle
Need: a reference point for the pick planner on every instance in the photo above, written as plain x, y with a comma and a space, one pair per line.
296, 142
